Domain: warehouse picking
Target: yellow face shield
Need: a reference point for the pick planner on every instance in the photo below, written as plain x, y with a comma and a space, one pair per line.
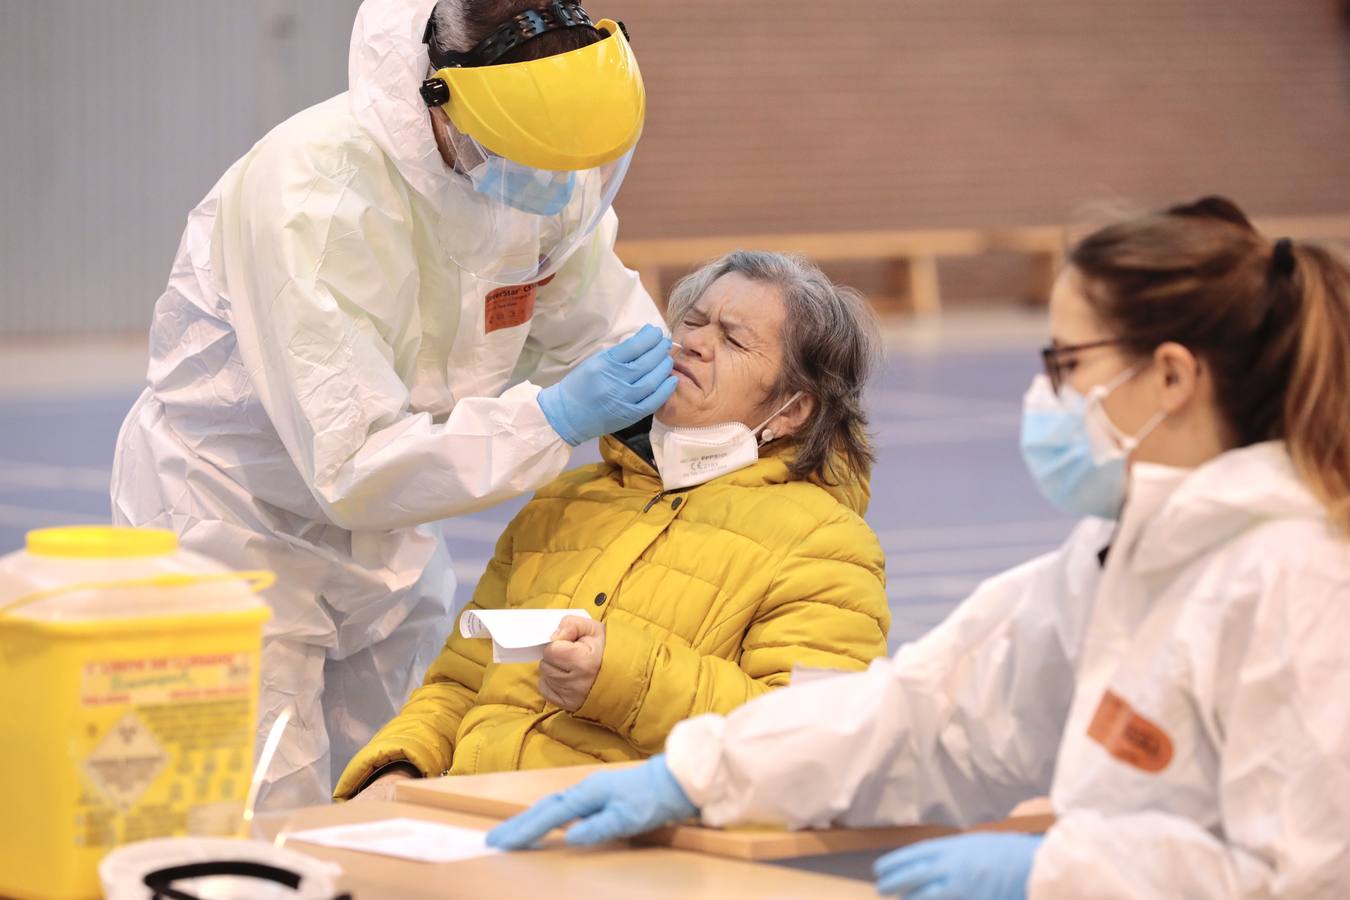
542, 146
572, 111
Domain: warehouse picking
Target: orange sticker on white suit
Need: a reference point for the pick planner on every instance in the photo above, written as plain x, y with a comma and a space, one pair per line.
1128, 736
508, 307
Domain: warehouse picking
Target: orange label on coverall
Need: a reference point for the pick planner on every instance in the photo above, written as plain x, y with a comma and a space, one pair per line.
508, 307
1128, 736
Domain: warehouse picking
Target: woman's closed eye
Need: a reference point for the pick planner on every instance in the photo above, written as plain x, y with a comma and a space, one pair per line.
695, 322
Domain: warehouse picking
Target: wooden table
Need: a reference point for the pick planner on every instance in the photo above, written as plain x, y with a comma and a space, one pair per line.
683, 861
609, 870
500, 795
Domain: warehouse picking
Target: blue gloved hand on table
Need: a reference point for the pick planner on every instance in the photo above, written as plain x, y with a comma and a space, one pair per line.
612, 389
985, 866
610, 805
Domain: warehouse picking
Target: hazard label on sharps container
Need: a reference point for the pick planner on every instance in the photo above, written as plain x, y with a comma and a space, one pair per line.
163, 745
125, 762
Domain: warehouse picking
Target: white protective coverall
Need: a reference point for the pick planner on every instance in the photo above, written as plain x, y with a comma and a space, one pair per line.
323, 388
1187, 705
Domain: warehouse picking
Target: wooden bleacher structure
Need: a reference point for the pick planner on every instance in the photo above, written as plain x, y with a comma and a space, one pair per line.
912, 257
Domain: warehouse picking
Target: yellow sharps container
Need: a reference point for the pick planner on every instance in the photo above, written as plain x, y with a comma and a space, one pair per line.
128, 700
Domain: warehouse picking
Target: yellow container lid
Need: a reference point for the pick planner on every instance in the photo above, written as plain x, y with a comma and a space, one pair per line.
101, 542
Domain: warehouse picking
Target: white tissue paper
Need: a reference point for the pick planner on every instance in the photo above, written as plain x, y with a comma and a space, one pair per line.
517, 635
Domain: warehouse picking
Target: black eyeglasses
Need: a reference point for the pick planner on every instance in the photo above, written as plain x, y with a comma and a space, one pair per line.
1054, 369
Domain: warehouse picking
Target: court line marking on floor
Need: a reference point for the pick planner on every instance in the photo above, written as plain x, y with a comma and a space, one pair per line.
39, 475
36, 517
994, 533
935, 586
934, 406
947, 431
468, 571
954, 561
929, 608
19, 403
473, 529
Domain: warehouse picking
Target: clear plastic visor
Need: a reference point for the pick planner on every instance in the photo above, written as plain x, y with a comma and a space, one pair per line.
519, 224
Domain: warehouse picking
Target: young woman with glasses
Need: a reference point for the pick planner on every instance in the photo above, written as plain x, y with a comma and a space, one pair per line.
1176, 676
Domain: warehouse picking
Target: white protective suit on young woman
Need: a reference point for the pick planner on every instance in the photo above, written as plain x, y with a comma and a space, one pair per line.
323, 388
1184, 703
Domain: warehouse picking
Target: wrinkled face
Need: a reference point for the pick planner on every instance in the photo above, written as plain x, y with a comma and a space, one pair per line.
732, 355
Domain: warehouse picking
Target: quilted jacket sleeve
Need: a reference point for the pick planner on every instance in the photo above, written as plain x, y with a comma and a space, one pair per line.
956, 729
825, 608
423, 733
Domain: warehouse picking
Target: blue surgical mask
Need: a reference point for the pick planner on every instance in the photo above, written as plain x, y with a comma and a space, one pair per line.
1077, 456
538, 191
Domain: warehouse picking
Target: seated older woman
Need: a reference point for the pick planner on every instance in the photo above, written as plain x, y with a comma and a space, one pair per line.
715, 552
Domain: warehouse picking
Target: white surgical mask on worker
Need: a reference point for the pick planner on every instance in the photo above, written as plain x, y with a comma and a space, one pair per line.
1077, 455
686, 456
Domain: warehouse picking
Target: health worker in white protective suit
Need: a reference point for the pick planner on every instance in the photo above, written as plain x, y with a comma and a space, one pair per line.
1176, 676
403, 304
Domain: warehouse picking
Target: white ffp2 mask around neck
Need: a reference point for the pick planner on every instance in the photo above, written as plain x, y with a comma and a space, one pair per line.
693, 455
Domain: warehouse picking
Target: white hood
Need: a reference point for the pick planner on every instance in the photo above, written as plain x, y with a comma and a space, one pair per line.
1222, 498
487, 239
386, 66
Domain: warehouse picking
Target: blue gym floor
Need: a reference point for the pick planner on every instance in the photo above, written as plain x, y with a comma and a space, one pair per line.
950, 498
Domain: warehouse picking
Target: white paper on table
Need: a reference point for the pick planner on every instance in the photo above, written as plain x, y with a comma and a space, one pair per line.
405, 838
517, 635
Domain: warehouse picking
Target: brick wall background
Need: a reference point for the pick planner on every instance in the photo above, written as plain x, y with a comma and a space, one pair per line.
789, 116
765, 116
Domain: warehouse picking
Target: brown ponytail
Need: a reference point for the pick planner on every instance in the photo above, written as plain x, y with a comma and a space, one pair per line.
1271, 320
1317, 404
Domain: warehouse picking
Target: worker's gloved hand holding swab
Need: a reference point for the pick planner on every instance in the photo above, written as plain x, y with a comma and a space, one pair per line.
610, 805
612, 389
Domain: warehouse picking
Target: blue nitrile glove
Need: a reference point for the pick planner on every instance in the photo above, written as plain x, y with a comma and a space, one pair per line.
984, 866
610, 805
612, 389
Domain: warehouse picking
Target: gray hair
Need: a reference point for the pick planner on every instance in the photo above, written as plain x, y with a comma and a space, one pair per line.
831, 347
461, 24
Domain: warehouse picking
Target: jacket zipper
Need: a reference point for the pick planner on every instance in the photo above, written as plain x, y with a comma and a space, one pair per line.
652, 502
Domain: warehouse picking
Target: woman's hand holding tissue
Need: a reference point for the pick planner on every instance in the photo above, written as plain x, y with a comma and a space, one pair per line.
571, 662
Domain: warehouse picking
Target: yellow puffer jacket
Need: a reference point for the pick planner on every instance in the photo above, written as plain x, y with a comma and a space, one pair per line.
709, 595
